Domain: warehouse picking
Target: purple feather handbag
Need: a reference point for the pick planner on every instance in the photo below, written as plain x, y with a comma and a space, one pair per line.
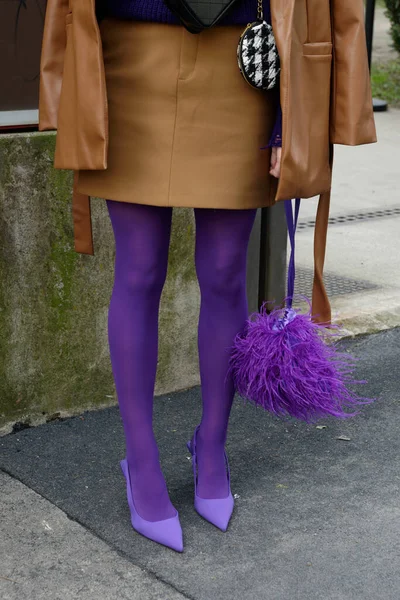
287, 364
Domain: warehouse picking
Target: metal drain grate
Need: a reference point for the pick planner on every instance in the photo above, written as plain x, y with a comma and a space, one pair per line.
335, 285
351, 217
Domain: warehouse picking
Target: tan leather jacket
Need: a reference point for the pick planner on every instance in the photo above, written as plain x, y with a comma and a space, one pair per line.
325, 97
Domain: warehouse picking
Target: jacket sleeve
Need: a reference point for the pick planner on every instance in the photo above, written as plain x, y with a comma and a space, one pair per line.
52, 63
352, 119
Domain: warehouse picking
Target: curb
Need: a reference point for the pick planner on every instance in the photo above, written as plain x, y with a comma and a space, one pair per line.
367, 312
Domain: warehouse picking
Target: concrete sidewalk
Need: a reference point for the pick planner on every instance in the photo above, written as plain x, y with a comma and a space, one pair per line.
47, 556
317, 513
362, 268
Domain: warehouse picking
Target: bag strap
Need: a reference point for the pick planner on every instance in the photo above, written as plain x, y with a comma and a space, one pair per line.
292, 226
321, 309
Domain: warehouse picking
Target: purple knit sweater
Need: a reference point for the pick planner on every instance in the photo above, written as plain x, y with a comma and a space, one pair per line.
155, 10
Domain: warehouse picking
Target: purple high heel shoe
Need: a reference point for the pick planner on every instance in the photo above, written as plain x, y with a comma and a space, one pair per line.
217, 511
167, 532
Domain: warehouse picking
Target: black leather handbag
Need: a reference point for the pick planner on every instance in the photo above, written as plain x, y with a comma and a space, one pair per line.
197, 15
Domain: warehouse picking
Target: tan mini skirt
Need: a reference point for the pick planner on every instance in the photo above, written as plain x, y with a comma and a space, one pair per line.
185, 129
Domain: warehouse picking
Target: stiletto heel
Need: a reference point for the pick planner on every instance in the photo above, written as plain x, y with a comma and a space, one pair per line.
217, 511
167, 532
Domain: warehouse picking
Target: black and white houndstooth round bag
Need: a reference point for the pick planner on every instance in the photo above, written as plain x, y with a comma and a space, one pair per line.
257, 54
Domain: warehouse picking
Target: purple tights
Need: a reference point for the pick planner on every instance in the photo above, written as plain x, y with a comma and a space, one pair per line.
142, 236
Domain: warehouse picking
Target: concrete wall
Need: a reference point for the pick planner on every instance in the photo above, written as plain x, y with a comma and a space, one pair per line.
53, 302
54, 354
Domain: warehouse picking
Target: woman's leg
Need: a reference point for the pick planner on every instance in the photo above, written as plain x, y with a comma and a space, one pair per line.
222, 238
142, 236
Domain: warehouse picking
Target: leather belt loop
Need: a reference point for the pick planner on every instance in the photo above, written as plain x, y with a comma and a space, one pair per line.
81, 214
321, 308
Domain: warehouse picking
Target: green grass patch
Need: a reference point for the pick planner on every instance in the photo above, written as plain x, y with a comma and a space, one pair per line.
385, 79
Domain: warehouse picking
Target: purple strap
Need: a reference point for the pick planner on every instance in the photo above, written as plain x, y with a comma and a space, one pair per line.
291, 226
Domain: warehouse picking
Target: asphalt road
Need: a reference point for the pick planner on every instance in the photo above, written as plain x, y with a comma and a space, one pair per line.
316, 517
